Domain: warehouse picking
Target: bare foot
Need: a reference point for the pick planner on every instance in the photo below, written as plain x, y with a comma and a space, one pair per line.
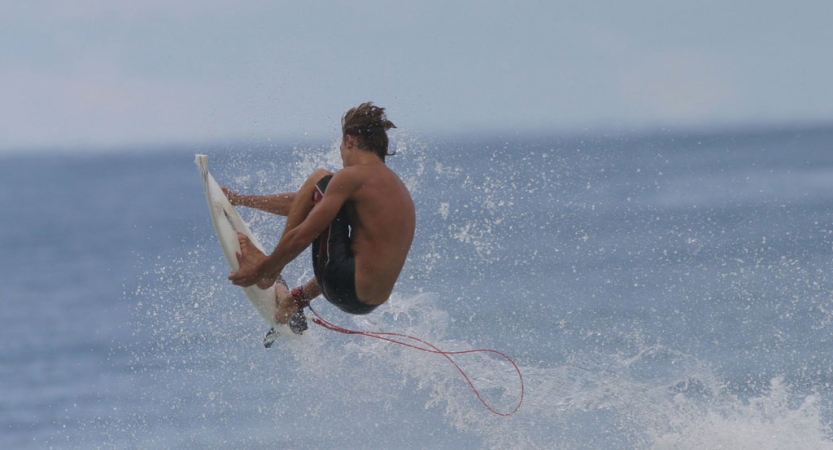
249, 250
285, 304
250, 271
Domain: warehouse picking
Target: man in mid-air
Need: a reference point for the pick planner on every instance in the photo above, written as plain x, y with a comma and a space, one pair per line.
359, 220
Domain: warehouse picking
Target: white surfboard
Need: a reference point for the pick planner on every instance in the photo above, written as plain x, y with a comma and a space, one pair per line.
227, 223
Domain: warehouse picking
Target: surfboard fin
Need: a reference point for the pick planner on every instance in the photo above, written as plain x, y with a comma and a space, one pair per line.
298, 322
270, 337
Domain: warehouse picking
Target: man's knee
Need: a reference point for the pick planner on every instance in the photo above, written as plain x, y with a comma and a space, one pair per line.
319, 174
313, 179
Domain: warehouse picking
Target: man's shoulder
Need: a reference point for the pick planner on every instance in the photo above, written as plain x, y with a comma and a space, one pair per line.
362, 171
369, 178
347, 173
353, 178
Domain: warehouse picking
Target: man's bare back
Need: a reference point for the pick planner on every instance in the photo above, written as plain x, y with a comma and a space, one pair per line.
382, 219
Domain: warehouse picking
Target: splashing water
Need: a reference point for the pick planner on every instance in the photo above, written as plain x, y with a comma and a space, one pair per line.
596, 376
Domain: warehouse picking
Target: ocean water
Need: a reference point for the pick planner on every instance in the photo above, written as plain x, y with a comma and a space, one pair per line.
663, 291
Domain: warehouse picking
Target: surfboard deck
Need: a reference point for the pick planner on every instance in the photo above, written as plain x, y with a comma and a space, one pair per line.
227, 223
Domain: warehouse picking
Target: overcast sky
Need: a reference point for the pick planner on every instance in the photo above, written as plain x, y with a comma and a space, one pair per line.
105, 73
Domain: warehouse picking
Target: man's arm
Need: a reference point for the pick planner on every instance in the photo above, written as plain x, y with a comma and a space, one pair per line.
272, 203
294, 241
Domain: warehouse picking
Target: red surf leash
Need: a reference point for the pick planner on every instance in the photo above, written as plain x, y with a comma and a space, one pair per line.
397, 338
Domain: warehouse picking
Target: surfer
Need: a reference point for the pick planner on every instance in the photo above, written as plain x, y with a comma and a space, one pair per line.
359, 220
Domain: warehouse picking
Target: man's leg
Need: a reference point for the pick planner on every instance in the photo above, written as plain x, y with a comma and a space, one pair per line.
286, 303
301, 207
302, 203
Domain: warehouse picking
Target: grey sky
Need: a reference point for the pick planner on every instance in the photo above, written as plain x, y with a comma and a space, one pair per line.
106, 73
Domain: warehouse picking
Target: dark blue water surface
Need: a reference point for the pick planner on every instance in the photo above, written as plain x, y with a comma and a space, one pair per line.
658, 291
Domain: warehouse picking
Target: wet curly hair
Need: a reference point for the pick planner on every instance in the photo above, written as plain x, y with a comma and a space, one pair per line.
369, 125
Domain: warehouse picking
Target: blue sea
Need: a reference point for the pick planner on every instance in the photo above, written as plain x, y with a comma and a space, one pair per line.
666, 290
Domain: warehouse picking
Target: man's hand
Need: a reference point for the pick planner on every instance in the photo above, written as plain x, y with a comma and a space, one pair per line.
233, 197
251, 270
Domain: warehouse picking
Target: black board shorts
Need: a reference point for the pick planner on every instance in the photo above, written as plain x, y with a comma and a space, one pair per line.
333, 260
